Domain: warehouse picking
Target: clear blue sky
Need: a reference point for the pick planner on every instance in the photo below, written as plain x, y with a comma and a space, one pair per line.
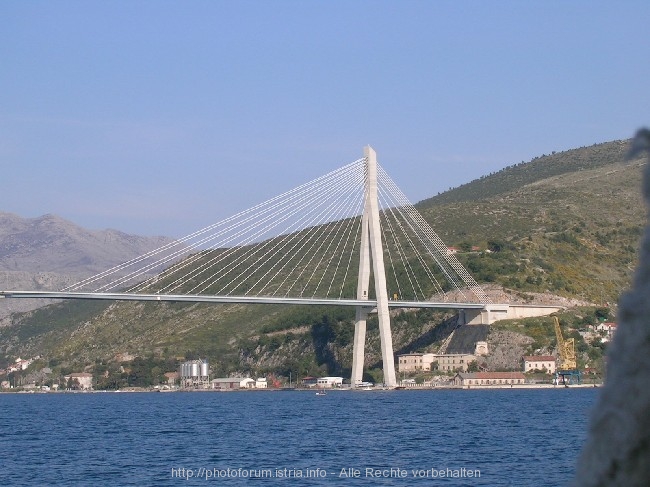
162, 117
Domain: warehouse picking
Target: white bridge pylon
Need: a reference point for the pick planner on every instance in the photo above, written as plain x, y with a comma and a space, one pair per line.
372, 250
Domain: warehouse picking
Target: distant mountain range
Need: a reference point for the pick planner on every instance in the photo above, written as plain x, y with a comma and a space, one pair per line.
48, 253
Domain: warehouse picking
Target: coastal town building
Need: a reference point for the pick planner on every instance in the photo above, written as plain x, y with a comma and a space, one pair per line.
231, 383
172, 378
424, 362
453, 362
414, 362
261, 383
309, 381
19, 364
329, 382
539, 363
488, 379
606, 331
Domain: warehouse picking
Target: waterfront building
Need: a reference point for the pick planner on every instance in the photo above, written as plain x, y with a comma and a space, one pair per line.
425, 362
309, 381
451, 362
539, 363
471, 379
230, 383
172, 378
329, 382
414, 362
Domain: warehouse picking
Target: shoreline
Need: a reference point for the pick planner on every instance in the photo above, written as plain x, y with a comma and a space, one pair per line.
313, 390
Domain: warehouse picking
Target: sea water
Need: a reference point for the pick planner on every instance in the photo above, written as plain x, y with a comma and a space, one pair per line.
501, 437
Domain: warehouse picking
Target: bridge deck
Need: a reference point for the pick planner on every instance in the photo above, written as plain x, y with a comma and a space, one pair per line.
198, 298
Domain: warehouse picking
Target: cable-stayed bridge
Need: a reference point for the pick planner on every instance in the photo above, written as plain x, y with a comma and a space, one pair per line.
347, 238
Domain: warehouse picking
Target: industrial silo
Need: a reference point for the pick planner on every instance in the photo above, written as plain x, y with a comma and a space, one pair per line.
195, 373
194, 369
204, 369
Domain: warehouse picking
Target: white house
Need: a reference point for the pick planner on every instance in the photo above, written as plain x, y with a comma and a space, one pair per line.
229, 383
19, 364
261, 383
329, 382
606, 330
539, 363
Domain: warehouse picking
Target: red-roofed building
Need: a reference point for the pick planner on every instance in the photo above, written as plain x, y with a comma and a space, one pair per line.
540, 363
172, 378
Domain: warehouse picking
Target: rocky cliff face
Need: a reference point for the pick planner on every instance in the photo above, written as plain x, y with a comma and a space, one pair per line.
48, 253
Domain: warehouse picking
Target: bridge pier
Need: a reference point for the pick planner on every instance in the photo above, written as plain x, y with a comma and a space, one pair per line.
359, 346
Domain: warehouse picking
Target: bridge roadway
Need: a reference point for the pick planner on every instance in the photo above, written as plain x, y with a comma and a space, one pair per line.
470, 313
198, 298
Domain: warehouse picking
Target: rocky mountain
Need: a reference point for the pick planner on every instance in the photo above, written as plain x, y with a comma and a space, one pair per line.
48, 253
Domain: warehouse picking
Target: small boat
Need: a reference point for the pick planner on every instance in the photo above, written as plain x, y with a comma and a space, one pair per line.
321, 393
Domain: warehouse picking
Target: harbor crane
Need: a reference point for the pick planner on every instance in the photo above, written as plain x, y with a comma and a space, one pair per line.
567, 371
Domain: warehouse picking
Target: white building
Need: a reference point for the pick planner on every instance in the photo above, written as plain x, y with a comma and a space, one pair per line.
540, 363
606, 331
414, 362
447, 362
488, 379
261, 383
230, 383
329, 382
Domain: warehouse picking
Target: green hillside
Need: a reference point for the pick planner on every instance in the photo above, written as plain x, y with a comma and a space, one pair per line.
566, 224
517, 176
574, 233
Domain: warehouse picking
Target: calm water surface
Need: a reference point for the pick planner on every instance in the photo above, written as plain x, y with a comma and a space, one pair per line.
509, 437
